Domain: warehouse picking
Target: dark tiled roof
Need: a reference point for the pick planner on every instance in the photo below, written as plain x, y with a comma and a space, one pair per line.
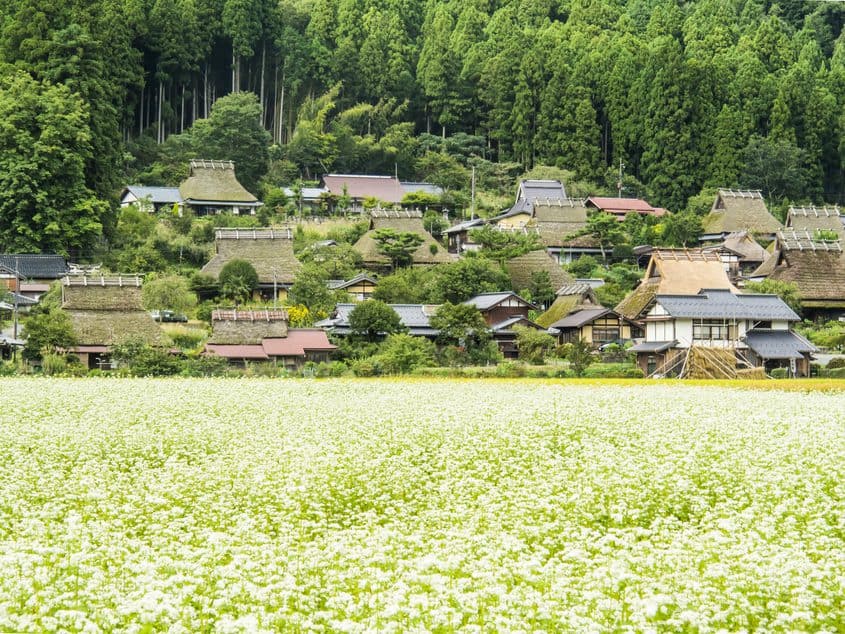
340, 284
778, 344
580, 318
486, 301
156, 195
721, 303
652, 346
35, 265
415, 317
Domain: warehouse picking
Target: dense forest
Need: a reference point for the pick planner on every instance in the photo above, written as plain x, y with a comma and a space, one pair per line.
684, 95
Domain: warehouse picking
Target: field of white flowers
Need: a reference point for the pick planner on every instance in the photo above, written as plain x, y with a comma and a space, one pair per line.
378, 506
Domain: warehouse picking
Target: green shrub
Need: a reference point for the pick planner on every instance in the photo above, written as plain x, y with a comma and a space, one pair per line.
835, 373
779, 373
365, 367
206, 365
510, 370
613, 371
53, 364
836, 362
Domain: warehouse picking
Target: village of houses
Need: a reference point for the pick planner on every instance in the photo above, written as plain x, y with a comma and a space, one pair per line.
688, 313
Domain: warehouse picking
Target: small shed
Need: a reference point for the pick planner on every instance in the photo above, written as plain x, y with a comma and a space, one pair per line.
150, 199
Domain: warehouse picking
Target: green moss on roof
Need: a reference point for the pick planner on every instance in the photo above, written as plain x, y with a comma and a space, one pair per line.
214, 181
559, 309
637, 300
268, 256
110, 327
522, 267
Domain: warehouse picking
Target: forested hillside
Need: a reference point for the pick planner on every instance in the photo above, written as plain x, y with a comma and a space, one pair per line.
686, 95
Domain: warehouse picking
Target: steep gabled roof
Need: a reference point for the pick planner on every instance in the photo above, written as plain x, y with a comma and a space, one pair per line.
384, 188
737, 210
817, 268
533, 192
270, 251
675, 271
522, 267
813, 219
743, 245
214, 181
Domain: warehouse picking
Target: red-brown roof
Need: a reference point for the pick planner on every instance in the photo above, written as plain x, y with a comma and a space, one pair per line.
297, 343
624, 205
248, 351
385, 188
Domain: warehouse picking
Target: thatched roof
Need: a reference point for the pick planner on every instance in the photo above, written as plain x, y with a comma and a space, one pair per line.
110, 327
675, 272
117, 293
739, 210
522, 267
558, 220
404, 222
817, 268
214, 181
814, 219
747, 248
270, 251
570, 298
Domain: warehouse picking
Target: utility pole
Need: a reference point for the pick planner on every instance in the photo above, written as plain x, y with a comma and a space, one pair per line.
619, 182
472, 196
17, 290
275, 290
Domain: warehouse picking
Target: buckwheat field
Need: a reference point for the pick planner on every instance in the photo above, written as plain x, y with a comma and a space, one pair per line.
417, 506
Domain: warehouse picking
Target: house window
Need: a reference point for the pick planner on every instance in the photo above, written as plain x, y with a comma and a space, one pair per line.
712, 329
605, 330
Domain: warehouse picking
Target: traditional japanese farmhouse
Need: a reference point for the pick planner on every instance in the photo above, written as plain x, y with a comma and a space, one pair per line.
740, 253
738, 210
458, 237
595, 326
529, 193
621, 207
414, 317
104, 312
715, 332
676, 272
561, 225
401, 221
268, 250
502, 312
360, 287
815, 265
151, 199
213, 188
523, 268
244, 336
31, 273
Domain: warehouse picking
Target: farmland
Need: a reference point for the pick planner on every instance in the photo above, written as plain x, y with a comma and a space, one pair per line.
267, 505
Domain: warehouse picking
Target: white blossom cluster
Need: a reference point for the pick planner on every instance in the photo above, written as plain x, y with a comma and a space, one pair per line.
417, 506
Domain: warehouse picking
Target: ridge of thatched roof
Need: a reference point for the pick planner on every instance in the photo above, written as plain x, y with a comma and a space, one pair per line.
269, 251
117, 293
814, 219
522, 267
742, 244
736, 210
214, 181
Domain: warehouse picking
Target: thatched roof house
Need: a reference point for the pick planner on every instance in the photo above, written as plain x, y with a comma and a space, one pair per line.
738, 210
212, 187
816, 220
621, 207
675, 272
270, 251
531, 193
521, 269
740, 253
105, 311
569, 299
407, 221
816, 267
